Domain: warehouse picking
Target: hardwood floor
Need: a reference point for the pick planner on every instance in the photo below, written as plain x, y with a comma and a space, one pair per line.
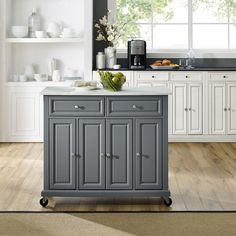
202, 176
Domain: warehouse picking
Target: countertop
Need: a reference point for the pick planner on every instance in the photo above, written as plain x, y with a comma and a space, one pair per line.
181, 69
71, 91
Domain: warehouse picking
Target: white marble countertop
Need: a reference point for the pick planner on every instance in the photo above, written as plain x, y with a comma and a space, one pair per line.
72, 91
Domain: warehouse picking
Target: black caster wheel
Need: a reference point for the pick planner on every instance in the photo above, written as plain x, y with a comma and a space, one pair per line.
168, 202
43, 202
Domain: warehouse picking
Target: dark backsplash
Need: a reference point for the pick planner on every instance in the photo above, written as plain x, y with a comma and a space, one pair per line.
199, 62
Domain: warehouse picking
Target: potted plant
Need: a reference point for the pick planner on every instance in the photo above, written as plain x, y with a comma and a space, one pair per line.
109, 33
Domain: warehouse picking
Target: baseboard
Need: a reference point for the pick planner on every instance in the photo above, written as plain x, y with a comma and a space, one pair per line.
202, 138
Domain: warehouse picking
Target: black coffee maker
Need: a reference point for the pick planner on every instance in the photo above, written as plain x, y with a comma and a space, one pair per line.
137, 54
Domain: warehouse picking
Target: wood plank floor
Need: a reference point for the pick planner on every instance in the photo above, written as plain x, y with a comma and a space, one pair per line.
202, 176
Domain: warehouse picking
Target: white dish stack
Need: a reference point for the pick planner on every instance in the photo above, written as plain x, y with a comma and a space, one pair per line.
67, 33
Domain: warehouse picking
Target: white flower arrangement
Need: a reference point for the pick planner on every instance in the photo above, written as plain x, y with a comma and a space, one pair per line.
107, 32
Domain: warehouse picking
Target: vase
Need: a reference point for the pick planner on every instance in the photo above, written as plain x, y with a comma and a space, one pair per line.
110, 55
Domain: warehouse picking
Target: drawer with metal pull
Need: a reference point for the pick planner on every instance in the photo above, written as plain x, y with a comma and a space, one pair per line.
151, 106
187, 76
76, 106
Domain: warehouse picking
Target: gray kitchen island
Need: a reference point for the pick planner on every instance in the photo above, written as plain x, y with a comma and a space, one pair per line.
100, 143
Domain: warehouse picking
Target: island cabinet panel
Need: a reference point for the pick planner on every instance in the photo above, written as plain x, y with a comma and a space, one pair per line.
122, 153
119, 137
61, 151
91, 153
149, 154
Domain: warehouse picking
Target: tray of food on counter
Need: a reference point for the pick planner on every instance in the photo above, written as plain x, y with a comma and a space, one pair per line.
163, 65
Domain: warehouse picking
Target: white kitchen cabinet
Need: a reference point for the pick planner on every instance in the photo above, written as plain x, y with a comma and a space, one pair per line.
179, 102
24, 115
187, 108
218, 108
231, 95
151, 84
223, 108
195, 112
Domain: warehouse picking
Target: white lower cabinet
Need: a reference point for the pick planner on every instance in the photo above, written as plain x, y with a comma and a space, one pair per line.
24, 115
187, 115
223, 108
179, 103
231, 98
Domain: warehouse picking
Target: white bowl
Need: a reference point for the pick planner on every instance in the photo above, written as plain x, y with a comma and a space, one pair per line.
19, 31
40, 34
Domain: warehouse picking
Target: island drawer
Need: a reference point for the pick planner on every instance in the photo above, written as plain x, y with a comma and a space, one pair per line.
76, 106
151, 106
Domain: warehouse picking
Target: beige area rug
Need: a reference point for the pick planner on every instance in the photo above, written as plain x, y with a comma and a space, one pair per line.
112, 224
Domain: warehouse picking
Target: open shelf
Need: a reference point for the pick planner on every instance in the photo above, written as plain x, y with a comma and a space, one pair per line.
44, 40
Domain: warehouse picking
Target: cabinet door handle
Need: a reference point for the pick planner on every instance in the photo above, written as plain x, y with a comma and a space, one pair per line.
138, 155
135, 107
102, 155
190, 109
225, 109
78, 107
74, 155
229, 109
108, 155
186, 109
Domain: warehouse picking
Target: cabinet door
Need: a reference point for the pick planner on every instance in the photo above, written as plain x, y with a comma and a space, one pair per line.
149, 149
24, 116
195, 117
179, 105
218, 108
119, 154
231, 94
91, 153
61, 153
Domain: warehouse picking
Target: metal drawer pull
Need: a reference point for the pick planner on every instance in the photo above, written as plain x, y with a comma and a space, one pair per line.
102, 155
108, 155
187, 76
137, 107
225, 77
138, 155
229, 109
78, 107
186, 109
225, 109
190, 109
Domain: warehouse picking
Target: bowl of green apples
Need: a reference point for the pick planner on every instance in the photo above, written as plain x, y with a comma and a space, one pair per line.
112, 81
